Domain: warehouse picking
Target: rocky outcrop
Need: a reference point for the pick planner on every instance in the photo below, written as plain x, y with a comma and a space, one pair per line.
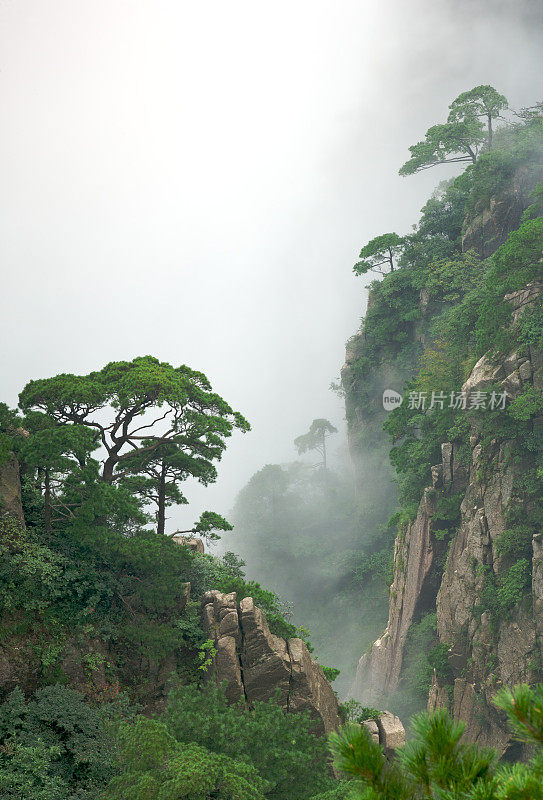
387, 730
486, 650
193, 543
489, 228
10, 490
418, 558
256, 665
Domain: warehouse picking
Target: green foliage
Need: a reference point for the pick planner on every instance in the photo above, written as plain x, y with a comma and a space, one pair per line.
446, 143
462, 137
209, 523
155, 765
481, 101
437, 764
536, 209
279, 745
528, 404
315, 438
515, 542
331, 673
55, 746
29, 772
378, 255
206, 655
531, 326
515, 263
9, 421
156, 423
502, 593
352, 711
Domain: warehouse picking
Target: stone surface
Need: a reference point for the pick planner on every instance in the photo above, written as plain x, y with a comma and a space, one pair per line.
264, 657
10, 490
192, 542
258, 666
309, 689
373, 729
228, 667
391, 731
417, 556
490, 227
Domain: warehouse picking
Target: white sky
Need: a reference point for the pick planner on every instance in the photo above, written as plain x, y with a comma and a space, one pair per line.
195, 180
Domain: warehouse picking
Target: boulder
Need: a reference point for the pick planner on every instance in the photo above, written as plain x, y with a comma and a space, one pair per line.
391, 731
372, 728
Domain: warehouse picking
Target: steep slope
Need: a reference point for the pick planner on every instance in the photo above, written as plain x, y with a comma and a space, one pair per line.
467, 554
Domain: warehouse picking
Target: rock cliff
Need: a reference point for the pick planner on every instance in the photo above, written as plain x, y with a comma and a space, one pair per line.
481, 579
485, 651
489, 228
256, 665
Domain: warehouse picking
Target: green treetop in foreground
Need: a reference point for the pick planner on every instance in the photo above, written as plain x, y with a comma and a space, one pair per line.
438, 765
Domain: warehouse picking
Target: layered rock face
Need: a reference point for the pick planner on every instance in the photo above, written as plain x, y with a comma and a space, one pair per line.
485, 651
256, 665
418, 558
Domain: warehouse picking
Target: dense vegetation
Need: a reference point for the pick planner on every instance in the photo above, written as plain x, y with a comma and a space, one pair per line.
97, 628
438, 309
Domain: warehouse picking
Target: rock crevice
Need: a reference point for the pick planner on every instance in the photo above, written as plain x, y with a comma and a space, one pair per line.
256, 665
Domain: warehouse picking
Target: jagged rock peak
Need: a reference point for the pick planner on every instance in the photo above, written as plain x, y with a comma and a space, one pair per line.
257, 665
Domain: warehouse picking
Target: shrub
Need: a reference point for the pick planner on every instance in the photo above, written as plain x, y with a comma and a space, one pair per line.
279, 745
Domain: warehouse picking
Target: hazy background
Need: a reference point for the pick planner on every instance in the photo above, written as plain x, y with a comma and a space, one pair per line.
194, 181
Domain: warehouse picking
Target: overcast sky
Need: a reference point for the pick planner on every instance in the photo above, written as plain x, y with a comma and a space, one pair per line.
194, 181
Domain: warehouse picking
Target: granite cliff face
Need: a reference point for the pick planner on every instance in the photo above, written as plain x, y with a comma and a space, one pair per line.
451, 575
486, 652
256, 665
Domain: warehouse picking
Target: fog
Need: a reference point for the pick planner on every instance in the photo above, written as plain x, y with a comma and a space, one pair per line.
195, 180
